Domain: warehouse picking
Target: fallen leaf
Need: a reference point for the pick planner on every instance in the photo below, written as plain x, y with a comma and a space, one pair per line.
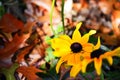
106, 6
117, 5
77, 6
29, 72
108, 39
20, 56
116, 21
11, 47
17, 41
10, 23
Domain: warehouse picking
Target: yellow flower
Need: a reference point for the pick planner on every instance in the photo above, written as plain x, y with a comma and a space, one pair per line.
97, 56
72, 50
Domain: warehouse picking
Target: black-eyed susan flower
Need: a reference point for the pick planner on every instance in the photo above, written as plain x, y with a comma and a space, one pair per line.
97, 56
72, 50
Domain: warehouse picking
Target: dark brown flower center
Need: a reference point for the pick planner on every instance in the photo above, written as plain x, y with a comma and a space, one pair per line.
97, 53
76, 47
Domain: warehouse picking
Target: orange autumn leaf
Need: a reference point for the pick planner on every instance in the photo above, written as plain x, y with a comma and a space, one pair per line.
109, 39
106, 6
12, 46
117, 5
9, 23
44, 7
29, 72
20, 56
80, 5
116, 22
28, 27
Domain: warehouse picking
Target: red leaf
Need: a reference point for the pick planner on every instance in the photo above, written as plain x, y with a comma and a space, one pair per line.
29, 72
21, 55
12, 46
9, 23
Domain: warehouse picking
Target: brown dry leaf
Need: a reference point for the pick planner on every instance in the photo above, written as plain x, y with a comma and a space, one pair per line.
12, 46
20, 56
109, 39
79, 5
117, 5
116, 22
106, 6
9, 23
43, 3
28, 27
44, 7
29, 72
105, 30
17, 41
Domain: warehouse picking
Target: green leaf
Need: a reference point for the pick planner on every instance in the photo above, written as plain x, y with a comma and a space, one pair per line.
47, 39
49, 55
93, 39
9, 72
59, 29
49, 75
113, 75
2, 10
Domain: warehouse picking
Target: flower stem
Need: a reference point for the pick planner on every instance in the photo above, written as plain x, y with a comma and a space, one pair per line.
102, 76
62, 15
51, 15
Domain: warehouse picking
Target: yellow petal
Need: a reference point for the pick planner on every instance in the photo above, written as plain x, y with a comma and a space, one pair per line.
91, 32
62, 59
71, 59
75, 70
56, 43
85, 38
77, 58
76, 34
97, 46
60, 45
116, 52
78, 25
85, 62
98, 64
66, 37
110, 60
88, 47
61, 53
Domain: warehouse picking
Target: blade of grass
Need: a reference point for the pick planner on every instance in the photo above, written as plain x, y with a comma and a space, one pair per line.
51, 15
62, 15
102, 76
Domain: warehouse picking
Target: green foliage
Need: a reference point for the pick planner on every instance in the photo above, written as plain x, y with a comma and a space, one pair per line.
9, 72
49, 52
113, 75
93, 39
59, 29
47, 39
2, 10
49, 74
49, 55
88, 75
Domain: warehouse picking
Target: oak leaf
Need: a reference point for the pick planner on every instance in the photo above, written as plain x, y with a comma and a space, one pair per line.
10, 23
12, 46
20, 56
29, 72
